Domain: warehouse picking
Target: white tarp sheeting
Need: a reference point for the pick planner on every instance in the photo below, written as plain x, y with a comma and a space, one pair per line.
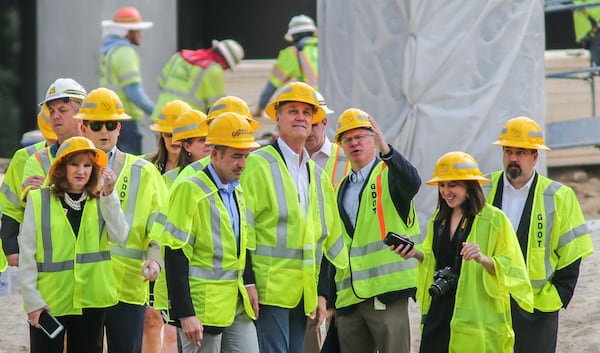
437, 75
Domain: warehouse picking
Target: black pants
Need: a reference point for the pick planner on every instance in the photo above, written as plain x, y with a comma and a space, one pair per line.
84, 334
534, 332
125, 328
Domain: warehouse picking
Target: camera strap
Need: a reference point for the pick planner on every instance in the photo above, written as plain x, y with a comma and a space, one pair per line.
461, 235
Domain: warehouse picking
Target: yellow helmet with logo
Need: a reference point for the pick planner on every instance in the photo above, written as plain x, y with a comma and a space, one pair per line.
78, 144
297, 92
521, 132
44, 124
235, 105
231, 130
349, 120
168, 115
192, 123
454, 166
102, 104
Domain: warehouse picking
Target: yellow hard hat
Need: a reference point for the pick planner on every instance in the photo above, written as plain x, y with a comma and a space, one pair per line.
168, 114
521, 132
232, 130
235, 105
44, 124
297, 92
351, 119
192, 123
102, 104
78, 144
454, 166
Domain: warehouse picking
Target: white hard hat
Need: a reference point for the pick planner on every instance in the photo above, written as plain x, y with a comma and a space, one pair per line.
231, 50
127, 18
299, 24
65, 88
322, 103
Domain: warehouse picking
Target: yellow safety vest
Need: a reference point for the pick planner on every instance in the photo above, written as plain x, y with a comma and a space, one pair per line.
141, 192
481, 321
289, 244
199, 224
120, 67
302, 65
199, 87
558, 236
581, 20
37, 164
10, 200
337, 165
374, 269
73, 272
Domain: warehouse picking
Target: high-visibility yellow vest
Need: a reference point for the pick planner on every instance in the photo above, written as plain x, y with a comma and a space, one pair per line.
73, 272
141, 191
37, 164
558, 236
10, 191
337, 165
199, 87
374, 269
302, 65
289, 244
199, 224
581, 20
482, 319
120, 67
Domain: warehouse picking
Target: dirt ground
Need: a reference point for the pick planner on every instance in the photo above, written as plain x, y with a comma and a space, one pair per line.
579, 324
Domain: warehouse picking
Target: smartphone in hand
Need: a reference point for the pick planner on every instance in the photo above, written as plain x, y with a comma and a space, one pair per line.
49, 324
395, 239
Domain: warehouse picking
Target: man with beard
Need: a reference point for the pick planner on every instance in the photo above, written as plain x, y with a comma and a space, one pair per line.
551, 229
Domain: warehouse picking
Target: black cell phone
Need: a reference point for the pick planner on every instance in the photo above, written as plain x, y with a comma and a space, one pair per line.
49, 324
392, 238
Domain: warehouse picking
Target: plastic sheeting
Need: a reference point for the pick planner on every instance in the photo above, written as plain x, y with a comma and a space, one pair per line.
438, 76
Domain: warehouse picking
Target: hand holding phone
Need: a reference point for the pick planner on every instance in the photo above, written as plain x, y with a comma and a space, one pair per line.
49, 324
395, 239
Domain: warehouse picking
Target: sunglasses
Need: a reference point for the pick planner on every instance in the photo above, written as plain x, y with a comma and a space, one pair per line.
97, 125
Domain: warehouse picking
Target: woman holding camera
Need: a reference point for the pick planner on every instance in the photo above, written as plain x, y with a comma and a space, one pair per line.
65, 264
469, 265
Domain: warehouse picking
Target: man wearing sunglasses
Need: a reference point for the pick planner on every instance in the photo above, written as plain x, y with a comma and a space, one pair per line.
141, 191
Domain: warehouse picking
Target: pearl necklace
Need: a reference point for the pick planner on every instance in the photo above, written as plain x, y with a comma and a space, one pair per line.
75, 204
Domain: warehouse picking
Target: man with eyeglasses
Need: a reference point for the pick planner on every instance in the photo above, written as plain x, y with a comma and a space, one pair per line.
551, 230
141, 192
374, 199
293, 226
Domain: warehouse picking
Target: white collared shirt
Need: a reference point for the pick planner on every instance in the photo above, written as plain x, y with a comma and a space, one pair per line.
356, 180
513, 200
322, 155
296, 165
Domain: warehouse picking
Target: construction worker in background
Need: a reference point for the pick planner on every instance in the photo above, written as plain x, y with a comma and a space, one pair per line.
66, 266
299, 60
206, 239
294, 225
120, 71
10, 202
373, 199
586, 24
470, 265
63, 99
136, 260
196, 76
551, 230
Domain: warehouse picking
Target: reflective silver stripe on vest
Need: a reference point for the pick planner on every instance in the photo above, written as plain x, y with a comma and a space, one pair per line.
215, 223
45, 159
48, 265
190, 96
306, 69
213, 274
128, 75
133, 189
179, 234
324, 231
11, 196
161, 218
572, 235
279, 250
549, 210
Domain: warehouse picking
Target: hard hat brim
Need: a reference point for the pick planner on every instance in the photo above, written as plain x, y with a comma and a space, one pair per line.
319, 115
101, 158
522, 145
136, 26
480, 179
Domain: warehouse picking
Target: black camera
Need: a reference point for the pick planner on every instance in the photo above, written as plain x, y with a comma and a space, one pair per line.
444, 281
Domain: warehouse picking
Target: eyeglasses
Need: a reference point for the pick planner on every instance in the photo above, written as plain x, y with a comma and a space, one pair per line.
357, 138
167, 135
97, 125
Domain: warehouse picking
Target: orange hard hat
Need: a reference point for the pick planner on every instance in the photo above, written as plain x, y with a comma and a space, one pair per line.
128, 17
